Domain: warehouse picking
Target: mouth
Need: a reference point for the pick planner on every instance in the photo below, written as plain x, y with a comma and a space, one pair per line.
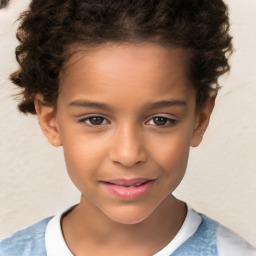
128, 189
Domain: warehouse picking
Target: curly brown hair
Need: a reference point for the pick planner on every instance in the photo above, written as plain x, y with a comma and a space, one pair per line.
49, 28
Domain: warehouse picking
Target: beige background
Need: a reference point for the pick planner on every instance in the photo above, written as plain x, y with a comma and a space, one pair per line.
221, 175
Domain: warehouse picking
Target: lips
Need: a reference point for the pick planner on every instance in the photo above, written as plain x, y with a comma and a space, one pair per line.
128, 189
128, 183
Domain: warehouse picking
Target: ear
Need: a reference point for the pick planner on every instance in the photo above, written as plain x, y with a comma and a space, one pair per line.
203, 118
47, 121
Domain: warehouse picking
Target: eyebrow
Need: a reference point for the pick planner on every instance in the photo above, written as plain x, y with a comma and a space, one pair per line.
89, 104
149, 106
166, 103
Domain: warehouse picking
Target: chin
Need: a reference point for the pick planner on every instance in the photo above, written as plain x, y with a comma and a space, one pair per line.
129, 216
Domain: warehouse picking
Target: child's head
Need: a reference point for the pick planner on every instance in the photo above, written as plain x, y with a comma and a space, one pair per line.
51, 31
125, 87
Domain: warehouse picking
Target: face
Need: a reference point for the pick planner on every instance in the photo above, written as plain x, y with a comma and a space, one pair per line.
126, 117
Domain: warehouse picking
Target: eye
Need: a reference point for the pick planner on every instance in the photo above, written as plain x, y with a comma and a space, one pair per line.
94, 121
162, 121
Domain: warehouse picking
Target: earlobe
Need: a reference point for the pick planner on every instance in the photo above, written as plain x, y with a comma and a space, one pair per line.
203, 118
47, 121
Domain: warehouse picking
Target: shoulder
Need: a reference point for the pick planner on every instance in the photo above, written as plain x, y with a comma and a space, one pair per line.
227, 241
230, 243
26, 242
202, 240
212, 238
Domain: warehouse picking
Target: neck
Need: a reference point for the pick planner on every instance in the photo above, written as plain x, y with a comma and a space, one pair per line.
87, 227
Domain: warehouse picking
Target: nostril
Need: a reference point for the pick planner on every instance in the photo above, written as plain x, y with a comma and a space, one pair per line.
128, 162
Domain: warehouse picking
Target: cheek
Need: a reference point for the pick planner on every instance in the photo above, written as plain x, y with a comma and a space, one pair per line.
173, 156
82, 169
83, 158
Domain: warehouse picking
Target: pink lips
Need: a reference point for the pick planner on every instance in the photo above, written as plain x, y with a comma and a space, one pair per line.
128, 189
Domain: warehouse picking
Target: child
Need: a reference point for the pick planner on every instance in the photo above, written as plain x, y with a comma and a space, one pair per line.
126, 87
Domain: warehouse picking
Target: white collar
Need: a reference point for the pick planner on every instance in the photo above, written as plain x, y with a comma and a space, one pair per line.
56, 245
54, 240
188, 228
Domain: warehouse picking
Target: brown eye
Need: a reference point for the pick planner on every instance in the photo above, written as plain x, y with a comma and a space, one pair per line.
159, 121
94, 121
162, 121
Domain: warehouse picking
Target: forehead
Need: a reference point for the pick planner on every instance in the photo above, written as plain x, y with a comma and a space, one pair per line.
142, 71
109, 56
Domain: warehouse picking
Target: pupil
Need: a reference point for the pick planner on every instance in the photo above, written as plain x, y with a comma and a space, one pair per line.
160, 120
96, 120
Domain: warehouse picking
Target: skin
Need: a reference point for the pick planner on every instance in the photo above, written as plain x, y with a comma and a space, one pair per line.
147, 121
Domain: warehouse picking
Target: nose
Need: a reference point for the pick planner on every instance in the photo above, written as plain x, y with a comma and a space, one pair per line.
127, 147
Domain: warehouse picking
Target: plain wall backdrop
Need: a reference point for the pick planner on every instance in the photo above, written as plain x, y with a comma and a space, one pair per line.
221, 174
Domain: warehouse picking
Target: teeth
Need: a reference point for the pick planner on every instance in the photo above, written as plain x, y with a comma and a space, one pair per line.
136, 185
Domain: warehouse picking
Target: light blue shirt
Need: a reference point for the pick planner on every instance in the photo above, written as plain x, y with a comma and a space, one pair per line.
204, 242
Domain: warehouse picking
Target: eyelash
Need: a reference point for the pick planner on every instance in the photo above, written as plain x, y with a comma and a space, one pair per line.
171, 122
